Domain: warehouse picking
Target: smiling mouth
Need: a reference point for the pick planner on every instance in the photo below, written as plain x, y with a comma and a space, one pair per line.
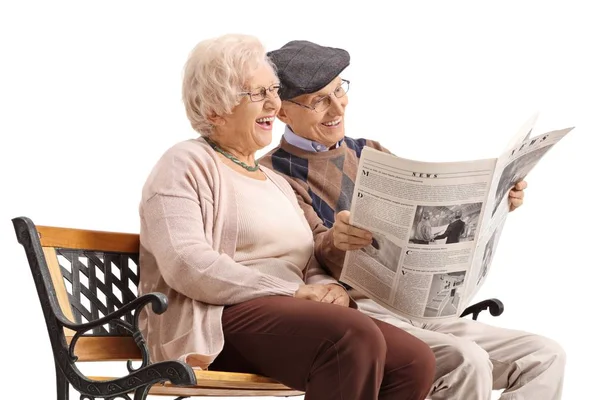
332, 124
265, 122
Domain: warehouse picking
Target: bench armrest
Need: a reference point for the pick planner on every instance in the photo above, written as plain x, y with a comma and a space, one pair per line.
159, 305
495, 307
141, 378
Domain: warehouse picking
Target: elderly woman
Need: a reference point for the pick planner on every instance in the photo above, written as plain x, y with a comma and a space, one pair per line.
227, 242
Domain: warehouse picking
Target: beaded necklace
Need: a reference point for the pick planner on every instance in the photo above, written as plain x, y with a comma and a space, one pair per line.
231, 156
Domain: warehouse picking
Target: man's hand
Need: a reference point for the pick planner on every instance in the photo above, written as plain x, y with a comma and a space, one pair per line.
330, 293
347, 237
516, 195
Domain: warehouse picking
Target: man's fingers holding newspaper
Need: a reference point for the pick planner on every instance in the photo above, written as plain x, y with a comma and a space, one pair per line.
347, 237
517, 194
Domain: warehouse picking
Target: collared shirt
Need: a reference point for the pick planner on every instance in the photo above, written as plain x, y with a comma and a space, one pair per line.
305, 144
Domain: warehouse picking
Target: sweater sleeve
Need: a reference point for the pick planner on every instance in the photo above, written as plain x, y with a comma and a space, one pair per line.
329, 256
314, 274
175, 236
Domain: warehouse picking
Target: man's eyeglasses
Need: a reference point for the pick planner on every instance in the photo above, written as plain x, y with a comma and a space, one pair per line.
259, 94
322, 103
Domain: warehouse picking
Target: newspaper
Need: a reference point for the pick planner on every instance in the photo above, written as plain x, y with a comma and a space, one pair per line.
435, 225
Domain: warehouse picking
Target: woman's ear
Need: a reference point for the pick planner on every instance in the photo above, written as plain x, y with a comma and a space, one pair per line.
216, 120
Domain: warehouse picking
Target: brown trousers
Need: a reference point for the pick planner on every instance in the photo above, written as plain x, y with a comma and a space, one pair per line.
328, 351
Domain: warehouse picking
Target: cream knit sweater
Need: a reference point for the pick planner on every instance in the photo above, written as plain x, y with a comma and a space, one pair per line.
189, 234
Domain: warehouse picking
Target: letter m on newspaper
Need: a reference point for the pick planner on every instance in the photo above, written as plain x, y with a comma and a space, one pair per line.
435, 225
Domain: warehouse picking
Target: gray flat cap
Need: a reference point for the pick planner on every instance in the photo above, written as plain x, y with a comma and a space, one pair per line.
306, 67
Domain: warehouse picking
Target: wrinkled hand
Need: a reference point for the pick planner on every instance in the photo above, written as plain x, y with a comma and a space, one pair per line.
311, 292
347, 237
330, 293
516, 195
336, 295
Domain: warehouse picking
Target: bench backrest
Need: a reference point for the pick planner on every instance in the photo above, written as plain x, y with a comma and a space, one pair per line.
84, 275
81, 276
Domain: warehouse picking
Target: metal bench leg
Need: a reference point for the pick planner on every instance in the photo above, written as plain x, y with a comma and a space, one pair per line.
62, 385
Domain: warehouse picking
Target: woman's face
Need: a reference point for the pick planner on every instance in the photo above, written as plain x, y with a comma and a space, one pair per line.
250, 125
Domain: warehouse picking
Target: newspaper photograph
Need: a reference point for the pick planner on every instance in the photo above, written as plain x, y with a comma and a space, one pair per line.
435, 226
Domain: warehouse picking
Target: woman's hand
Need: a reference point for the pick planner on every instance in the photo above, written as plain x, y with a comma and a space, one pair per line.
330, 293
336, 295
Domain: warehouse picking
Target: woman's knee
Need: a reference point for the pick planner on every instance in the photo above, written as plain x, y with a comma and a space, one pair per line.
414, 364
363, 339
424, 365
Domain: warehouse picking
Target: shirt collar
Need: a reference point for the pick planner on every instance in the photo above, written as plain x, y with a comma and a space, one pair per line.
305, 144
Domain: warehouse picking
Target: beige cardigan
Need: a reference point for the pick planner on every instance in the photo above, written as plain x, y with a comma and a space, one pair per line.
188, 237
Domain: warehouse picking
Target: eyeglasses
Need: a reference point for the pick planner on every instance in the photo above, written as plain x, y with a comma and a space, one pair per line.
259, 94
322, 103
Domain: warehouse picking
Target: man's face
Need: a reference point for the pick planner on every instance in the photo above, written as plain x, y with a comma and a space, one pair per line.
325, 127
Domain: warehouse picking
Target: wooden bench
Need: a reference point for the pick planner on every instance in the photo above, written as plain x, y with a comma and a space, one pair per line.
87, 286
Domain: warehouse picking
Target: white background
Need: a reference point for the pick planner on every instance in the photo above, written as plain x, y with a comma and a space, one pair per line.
90, 98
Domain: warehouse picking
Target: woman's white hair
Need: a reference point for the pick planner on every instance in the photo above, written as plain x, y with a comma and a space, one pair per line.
216, 71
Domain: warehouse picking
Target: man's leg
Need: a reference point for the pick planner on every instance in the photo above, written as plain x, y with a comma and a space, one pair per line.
328, 351
473, 358
526, 365
463, 369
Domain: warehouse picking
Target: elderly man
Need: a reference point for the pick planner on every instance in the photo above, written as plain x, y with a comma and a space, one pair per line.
320, 163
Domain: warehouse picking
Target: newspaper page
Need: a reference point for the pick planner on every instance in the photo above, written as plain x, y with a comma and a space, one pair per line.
512, 166
425, 219
435, 226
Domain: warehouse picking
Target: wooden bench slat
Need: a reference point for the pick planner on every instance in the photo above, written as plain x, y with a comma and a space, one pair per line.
106, 348
51, 236
223, 381
169, 390
235, 380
